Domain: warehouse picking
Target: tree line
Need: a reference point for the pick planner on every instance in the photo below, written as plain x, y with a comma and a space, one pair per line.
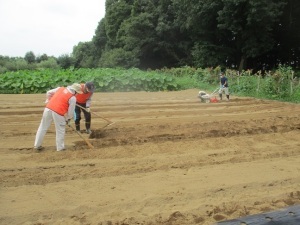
236, 34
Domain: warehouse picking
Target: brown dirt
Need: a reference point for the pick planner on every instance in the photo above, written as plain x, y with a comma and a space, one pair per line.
167, 159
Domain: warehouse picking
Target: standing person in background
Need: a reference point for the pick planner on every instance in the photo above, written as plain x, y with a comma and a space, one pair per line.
83, 103
60, 105
223, 86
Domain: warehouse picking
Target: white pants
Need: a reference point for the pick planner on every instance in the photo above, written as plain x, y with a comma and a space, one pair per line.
60, 127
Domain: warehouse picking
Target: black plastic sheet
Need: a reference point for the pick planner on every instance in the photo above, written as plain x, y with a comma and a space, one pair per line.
285, 216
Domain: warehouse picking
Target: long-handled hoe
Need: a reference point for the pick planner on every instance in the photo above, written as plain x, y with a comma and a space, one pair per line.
86, 141
107, 120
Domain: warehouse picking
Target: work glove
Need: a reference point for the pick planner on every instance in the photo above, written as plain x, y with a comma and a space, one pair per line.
88, 110
68, 121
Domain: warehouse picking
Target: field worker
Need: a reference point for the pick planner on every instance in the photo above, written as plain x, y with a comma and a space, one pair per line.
83, 103
60, 105
223, 86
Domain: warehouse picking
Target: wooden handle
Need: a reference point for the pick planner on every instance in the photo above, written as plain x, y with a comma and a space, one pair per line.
86, 141
94, 114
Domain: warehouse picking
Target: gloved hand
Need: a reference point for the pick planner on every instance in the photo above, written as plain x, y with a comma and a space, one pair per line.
88, 110
68, 121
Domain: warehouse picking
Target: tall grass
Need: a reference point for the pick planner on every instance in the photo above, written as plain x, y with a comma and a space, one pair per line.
281, 84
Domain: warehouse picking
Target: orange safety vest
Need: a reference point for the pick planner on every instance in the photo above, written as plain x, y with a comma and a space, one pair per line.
59, 102
82, 98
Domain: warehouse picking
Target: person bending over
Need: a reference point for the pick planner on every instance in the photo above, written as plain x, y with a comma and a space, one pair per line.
83, 104
60, 105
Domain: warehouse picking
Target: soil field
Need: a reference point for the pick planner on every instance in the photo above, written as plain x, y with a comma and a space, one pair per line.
167, 159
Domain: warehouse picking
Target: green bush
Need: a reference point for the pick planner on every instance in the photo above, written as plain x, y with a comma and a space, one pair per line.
279, 84
106, 80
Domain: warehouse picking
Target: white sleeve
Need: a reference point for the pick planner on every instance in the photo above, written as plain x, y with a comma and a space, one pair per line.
50, 93
88, 101
72, 103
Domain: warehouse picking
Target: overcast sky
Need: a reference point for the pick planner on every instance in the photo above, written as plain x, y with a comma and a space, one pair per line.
52, 27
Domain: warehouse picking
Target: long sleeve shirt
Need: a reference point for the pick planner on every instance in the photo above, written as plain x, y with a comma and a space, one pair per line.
72, 101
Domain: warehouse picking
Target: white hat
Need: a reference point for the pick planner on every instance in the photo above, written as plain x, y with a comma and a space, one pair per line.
76, 87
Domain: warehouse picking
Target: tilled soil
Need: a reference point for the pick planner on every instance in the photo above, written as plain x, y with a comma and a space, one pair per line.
167, 158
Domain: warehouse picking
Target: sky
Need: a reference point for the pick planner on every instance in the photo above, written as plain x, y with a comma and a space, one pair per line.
51, 27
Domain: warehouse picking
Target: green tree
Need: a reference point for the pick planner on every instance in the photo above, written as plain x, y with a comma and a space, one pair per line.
13, 64
251, 24
50, 63
170, 45
99, 41
65, 61
41, 58
18, 63
30, 57
229, 32
206, 46
118, 57
256, 34
287, 33
116, 11
151, 34
83, 55
4, 60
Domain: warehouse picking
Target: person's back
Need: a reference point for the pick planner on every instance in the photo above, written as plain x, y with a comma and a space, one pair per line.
60, 105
